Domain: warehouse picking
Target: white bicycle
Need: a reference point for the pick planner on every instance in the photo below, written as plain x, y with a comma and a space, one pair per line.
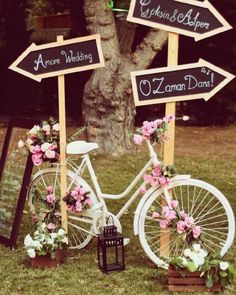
206, 204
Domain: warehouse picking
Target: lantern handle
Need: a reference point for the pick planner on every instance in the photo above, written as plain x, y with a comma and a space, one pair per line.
107, 220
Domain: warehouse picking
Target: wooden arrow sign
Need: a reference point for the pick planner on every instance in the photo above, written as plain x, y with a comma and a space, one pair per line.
184, 82
60, 58
187, 17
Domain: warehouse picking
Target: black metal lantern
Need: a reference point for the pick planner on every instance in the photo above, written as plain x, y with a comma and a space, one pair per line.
110, 249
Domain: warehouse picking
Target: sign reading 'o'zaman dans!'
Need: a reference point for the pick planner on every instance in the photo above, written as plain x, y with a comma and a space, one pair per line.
184, 82
187, 17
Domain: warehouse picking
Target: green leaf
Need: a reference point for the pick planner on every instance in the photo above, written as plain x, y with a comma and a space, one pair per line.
191, 266
232, 270
223, 274
209, 282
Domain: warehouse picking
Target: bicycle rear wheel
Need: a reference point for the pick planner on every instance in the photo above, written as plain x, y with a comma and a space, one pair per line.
206, 204
80, 230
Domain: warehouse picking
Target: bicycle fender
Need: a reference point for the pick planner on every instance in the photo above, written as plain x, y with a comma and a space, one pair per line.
147, 195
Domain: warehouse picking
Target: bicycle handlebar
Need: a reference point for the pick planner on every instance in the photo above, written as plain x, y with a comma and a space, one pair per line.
153, 154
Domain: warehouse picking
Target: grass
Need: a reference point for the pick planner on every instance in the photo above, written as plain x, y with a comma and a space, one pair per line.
80, 274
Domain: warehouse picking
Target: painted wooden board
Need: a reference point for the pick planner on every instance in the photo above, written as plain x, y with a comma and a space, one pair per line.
178, 83
186, 17
60, 58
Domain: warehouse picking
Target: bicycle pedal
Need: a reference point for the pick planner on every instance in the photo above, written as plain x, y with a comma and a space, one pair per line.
126, 241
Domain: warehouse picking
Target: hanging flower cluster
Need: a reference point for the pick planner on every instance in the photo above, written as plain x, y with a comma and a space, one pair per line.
160, 175
155, 131
43, 142
77, 200
179, 220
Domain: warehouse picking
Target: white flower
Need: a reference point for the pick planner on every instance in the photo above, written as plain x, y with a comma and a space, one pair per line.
31, 253
28, 240
29, 142
202, 253
45, 146
184, 261
20, 144
201, 260
65, 240
185, 118
61, 232
43, 226
224, 265
50, 154
35, 129
187, 252
36, 244
56, 127
50, 241
196, 247
53, 235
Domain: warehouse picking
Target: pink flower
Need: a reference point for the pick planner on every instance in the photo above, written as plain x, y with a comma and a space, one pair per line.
169, 118
183, 214
196, 231
142, 190
88, 202
180, 227
50, 198
174, 204
156, 171
164, 180
49, 189
155, 215
168, 213
35, 149
148, 128
37, 159
154, 181
189, 221
80, 190
78, 206
56, 127
35, 218
147, 178
74, 193
53, 147
46, 129
164, 224
51, 226
138, 139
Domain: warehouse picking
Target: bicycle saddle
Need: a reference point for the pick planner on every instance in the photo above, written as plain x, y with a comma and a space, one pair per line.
80, 147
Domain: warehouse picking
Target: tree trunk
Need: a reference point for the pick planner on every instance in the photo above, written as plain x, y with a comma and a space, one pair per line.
108, 107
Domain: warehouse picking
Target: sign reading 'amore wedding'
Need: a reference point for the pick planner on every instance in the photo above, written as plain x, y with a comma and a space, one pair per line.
187, 17
54, 59
186, 82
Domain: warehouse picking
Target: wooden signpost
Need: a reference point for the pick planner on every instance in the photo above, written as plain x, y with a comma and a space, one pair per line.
186, 17
177, 83
57, 59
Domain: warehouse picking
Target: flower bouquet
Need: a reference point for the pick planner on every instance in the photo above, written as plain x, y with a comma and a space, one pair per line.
43, 142
77, 200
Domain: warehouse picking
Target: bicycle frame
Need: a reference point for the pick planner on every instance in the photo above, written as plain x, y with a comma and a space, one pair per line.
86, 163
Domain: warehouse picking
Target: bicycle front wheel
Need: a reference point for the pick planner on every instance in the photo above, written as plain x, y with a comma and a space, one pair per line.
80, 230
209, 209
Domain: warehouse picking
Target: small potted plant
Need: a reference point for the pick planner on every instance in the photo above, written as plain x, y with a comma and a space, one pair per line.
197, 270
46, 246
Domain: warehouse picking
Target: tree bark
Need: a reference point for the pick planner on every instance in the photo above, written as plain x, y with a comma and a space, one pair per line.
108, 107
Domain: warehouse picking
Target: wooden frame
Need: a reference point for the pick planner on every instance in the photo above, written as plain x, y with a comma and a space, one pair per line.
201, 63
197, 36
10, 240
34, 47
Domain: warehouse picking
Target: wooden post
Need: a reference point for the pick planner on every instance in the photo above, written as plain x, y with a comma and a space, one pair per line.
62, 122
173, 50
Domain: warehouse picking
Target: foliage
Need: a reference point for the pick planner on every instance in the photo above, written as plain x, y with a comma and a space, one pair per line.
47, 7
212, 267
